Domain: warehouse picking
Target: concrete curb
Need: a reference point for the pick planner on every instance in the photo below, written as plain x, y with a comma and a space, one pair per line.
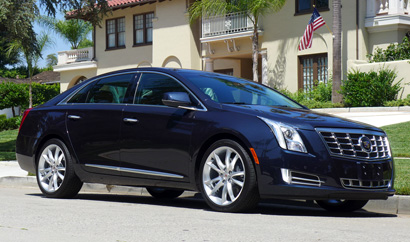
363, 109
394, 205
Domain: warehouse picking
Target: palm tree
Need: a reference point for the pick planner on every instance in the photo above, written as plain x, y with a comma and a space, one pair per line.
254, 9
74, 31
52, 60
31, 56
337, 52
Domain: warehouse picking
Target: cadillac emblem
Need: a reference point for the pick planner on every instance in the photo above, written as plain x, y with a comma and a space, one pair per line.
366, 144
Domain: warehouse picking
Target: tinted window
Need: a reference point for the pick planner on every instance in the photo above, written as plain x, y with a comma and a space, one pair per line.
306, 6
107, 90
152, 86
232, 90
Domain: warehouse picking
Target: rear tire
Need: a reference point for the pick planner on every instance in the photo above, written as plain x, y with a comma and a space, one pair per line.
55, 172
162, 193
342, 205
227, 178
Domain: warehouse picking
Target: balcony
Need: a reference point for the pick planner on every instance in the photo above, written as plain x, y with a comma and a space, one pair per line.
227, 26
75, 59
387, 15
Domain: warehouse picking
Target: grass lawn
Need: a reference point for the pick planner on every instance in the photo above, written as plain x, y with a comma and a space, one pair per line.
399, 138
402, 181
8, 144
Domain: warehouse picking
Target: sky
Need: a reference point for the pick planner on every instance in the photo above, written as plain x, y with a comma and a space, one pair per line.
59, 43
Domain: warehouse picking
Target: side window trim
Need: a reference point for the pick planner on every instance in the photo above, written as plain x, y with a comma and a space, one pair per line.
203, 108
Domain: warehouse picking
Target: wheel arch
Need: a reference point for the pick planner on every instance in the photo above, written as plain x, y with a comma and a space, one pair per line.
220, 136
46, 138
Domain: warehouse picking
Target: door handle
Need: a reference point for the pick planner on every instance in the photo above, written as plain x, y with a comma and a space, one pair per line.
130, 120
74, 117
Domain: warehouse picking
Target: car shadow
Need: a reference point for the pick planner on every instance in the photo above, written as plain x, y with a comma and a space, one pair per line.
265, 207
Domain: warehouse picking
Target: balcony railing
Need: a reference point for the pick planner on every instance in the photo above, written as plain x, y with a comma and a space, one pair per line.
78, 55
383, 7
226, 24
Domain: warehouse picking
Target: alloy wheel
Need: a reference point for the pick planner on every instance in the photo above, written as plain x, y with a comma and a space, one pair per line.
223, 176
51, 168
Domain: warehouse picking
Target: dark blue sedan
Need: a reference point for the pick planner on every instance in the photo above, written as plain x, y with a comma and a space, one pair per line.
171, 130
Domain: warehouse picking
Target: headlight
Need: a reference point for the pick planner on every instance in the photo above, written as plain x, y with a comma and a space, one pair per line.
288, 138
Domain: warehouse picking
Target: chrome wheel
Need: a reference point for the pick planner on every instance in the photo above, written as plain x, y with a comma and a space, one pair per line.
51, 168
223, 176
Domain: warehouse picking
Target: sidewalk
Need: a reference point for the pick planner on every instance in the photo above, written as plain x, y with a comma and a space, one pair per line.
376, 116
11, 174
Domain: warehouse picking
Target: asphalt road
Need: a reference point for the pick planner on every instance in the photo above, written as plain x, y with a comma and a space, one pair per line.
25, 215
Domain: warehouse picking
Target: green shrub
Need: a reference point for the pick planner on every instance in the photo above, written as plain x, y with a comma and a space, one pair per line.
319, 97
21, 72
392, 52
13, 95
42, 93
11, 123
3, 117
400, 102
16, 95
369, 89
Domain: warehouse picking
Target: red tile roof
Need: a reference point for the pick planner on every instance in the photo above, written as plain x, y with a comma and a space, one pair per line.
116, 4
119, 3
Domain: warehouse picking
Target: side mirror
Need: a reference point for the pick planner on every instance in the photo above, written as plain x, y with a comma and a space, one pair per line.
176, 99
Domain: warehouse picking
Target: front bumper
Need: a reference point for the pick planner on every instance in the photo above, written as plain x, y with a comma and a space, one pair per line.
292, 175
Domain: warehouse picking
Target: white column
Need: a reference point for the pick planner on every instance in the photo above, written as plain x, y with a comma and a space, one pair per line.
209, 64
62, 58
396, 7
264, 55
371, 8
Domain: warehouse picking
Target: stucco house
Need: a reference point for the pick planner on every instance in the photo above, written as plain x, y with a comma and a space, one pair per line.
158, 33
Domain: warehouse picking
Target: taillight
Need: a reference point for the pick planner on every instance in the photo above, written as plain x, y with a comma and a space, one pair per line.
24, 117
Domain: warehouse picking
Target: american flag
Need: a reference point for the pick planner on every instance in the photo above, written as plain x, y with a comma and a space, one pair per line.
315, 22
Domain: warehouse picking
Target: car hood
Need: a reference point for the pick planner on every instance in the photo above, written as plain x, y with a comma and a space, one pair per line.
299, 118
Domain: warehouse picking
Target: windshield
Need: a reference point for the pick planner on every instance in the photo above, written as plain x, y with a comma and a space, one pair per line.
232, 90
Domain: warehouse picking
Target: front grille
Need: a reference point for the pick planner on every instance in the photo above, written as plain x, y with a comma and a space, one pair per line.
347, 143
358, 184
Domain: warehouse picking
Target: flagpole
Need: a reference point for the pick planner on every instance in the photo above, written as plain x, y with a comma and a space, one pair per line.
314, 6
329, 29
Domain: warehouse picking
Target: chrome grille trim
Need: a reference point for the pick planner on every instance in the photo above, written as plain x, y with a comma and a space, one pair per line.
345, 143
359, 184
299, 178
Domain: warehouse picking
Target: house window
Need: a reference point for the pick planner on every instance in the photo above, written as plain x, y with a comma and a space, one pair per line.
312, 70
143, 28
116, 33
306, 6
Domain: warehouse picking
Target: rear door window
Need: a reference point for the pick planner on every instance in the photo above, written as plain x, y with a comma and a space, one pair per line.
112, 89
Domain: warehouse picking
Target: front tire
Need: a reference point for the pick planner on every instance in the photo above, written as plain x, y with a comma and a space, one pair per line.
227, 177
55, 172
335, 205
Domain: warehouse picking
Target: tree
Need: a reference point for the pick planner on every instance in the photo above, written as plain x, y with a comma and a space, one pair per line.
74, 31
16, 18
255, 9
337, 52
31, 57
51, 60
12, 95
92, 11
4, 58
